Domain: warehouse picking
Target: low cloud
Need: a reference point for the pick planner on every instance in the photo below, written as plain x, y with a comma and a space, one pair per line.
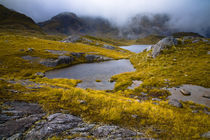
185, 15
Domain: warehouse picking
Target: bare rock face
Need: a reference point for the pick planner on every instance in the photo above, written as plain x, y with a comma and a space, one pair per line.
114, 132
55, 62
55, 124
92, 58
19, 117
165, 43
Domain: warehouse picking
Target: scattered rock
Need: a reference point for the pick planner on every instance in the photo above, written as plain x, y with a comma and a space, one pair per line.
30, 50
92, 58
205, 40
113, 132
56, 52
188, 37
72, 39
108, 47
41, 74
134, 116
135, 84
176, 103
206, 135
81, 138
163, 44
195, 41
185, 92
78, 55
156, 99
82, 102
31, 58
208, 52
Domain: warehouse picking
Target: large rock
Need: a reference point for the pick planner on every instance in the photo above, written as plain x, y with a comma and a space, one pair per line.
176, 103
18, 118
54, 124
165, 43
55, 62
92, 58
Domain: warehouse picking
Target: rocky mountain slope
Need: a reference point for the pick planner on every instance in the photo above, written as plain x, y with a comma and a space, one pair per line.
10, 19
69, 23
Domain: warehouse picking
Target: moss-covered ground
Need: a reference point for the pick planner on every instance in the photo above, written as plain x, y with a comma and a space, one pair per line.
183, 64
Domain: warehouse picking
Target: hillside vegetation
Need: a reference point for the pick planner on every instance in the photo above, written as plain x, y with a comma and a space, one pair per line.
111, 107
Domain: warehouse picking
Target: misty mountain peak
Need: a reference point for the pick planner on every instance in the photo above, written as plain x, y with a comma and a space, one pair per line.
65, 15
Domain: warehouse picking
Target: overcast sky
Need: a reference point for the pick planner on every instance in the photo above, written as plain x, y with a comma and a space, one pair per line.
184, 13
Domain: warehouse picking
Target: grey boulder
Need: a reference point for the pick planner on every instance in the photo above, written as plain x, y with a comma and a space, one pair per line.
54, 124
165, 43
55, 62
175, 103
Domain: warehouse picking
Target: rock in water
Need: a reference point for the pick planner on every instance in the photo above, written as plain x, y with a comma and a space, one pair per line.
185, 92
163, 44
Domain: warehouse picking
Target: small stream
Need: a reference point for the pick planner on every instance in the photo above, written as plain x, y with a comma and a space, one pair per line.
97, 75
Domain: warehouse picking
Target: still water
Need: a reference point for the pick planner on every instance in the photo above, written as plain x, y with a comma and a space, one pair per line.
91, 72
136, 48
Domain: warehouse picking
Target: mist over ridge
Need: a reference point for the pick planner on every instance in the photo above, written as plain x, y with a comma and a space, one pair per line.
179, 15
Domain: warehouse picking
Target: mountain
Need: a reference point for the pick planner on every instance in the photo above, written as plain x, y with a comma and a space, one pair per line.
137, 27
69, 23
143, 25
10, 19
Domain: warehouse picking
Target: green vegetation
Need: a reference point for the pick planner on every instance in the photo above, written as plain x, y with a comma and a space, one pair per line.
13, 47
182, 34
183, 64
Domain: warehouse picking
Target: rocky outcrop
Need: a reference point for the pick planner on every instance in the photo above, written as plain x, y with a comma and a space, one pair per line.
92, 58
21, 120
114, 132
55, 62
165, 43
54, 124
67, 60
18, 118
